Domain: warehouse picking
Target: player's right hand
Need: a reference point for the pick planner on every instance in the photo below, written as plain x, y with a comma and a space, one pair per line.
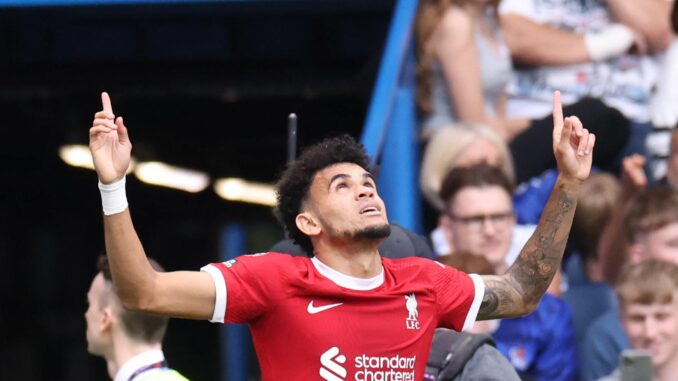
109, 144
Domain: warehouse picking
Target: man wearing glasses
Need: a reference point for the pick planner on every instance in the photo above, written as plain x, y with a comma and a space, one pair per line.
479, 219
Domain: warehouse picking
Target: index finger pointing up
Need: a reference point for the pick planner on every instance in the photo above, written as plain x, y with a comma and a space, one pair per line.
106, 102
557, 115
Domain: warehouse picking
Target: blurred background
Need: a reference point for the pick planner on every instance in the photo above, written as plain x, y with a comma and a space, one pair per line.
205, 86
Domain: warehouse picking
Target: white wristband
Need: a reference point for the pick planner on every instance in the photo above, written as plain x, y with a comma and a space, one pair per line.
113, 197
610, 42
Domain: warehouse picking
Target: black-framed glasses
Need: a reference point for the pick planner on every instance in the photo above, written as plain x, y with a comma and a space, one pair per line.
477, 221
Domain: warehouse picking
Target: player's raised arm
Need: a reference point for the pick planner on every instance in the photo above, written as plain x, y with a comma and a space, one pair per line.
520, 289
181, 294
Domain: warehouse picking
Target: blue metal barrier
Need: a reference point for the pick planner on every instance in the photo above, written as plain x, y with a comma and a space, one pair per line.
234, 337
389, 134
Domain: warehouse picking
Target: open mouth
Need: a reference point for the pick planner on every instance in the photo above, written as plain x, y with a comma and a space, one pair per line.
370, 210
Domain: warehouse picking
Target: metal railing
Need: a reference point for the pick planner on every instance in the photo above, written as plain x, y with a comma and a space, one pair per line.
390, 131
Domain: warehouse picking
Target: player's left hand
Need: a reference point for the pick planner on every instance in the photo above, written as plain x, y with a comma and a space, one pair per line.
572, 144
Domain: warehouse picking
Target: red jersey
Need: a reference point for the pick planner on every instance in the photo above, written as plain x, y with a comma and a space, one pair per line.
310, 322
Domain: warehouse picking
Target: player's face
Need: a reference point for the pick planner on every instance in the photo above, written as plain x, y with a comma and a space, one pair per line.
480, 221
95, 315
344, 200
653, 327
661, 244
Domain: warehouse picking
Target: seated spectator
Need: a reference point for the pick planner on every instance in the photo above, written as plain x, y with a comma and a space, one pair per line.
612, 244
520, 233
664, 100
600, 197
651, 225
465, 144
587, 294
648, 308
456, 146
463, 68
479, 219
583, 48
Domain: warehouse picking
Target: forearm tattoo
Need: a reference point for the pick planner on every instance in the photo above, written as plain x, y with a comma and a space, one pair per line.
498, 298
519, 290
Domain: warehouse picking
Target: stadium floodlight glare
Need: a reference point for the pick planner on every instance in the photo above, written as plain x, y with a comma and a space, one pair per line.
78, 155
234, 189
161, 174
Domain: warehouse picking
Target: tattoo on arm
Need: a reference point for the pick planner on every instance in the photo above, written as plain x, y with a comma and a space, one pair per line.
500, 299
490, 302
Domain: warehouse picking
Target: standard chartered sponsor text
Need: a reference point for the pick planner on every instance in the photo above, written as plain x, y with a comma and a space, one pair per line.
384, 368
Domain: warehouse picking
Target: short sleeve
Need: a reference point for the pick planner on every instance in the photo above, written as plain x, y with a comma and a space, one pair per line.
246, 287
459, 296
523, 8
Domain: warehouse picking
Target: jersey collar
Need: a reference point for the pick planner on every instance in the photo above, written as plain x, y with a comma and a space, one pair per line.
137, 362
347, 281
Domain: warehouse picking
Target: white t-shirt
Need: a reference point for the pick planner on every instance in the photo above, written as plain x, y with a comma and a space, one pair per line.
623, 82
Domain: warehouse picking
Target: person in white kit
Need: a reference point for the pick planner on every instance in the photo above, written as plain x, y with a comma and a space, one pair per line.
604, 49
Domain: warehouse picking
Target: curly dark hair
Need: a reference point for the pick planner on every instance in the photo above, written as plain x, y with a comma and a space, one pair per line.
295, 182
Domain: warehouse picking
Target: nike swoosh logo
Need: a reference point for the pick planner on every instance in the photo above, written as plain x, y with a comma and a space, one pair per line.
314, 310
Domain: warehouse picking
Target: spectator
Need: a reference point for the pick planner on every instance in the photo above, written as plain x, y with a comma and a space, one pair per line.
463, 68
460, 145
587, 294
648, 304
479, 219
612, 244
466, 144
530, 199
600, 196
581, 47
663, 104
129, 341
651, 225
